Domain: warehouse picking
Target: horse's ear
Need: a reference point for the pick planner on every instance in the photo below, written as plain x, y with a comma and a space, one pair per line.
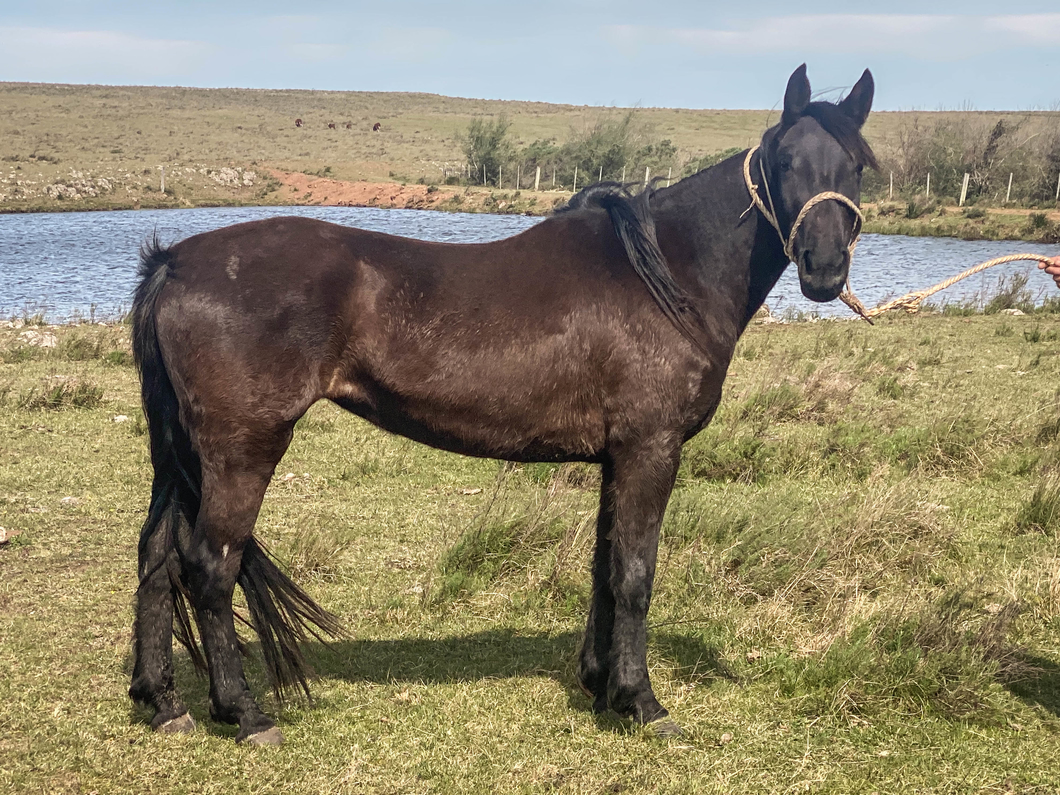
796, 97
858, 102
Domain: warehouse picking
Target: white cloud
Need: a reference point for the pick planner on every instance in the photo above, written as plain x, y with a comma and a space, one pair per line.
47, 54
927, 36
1030, 28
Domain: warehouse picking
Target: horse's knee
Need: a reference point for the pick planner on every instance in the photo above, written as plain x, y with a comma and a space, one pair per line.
631, 585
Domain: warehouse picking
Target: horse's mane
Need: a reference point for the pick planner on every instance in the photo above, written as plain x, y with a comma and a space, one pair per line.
634, 225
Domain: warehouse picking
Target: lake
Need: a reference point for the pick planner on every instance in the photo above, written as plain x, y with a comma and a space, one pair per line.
70, 265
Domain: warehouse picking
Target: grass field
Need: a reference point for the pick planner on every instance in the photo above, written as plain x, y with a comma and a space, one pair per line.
104, 147
858, 589
124, 135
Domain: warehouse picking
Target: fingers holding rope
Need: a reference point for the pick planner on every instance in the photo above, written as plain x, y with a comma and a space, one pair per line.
1052, 267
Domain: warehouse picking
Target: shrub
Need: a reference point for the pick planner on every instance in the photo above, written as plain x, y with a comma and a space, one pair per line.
487, 148
947, 146
611, 147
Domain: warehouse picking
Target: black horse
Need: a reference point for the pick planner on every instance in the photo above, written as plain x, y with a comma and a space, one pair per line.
602, 334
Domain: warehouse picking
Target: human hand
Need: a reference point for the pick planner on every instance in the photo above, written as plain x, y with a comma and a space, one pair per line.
1052, 267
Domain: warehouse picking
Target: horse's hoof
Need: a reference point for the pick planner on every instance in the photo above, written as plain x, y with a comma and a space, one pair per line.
271, 736
664, 728
182, 724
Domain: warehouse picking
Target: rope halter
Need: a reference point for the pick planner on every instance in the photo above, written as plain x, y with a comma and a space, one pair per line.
769, 213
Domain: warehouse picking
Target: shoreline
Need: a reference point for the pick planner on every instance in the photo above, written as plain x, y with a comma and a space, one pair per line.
298, 189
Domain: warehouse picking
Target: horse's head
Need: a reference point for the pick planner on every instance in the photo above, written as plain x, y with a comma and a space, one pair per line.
818, 149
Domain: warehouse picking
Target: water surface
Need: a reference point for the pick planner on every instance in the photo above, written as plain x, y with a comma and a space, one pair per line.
81, 264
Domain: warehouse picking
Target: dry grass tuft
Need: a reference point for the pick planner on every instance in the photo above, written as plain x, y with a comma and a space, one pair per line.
58, 395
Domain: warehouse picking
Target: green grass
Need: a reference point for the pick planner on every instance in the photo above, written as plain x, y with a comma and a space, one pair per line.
858, 587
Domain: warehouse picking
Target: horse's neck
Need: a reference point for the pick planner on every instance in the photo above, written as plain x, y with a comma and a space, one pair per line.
733, 258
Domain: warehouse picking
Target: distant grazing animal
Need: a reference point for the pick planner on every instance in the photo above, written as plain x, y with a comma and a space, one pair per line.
377, 127
602, 334
331, 125
349, 125
297, 122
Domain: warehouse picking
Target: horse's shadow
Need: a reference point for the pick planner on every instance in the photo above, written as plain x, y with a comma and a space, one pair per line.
1040, 685
502, 653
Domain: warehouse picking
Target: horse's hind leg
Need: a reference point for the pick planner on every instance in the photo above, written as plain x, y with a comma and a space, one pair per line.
152, 682
234, 483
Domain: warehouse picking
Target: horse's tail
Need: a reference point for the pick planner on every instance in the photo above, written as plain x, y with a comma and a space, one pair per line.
176, 490
281, 613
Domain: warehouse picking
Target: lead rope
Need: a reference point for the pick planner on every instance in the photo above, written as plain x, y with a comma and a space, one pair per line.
910, 302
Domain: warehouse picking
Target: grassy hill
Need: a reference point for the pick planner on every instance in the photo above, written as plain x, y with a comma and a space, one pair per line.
72, 146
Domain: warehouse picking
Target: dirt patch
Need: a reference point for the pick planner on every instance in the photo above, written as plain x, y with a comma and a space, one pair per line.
300, 188
306, 189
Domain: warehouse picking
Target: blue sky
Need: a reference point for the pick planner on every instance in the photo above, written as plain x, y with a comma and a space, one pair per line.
586, 52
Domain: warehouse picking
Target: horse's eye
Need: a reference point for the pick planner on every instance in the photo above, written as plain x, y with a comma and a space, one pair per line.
860, 168
784, 163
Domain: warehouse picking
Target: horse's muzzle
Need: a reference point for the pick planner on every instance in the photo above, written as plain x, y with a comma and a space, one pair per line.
822, 277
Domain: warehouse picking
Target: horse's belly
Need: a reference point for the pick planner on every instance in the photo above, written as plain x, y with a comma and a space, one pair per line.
475, 415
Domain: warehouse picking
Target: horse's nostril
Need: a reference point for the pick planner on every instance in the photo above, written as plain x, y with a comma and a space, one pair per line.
807, 262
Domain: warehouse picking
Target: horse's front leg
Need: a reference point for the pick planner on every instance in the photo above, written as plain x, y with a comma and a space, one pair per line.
636, 490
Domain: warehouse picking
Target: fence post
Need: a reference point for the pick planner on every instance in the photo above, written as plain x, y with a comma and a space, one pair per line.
623, 173
553, 177
1008, 193
537, 179
518, 175
575, 188
927, 190
500, 177
601, 177
483, 174
162, 187
1058, 188
890, 191
669, 173
964, 189
647, 171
